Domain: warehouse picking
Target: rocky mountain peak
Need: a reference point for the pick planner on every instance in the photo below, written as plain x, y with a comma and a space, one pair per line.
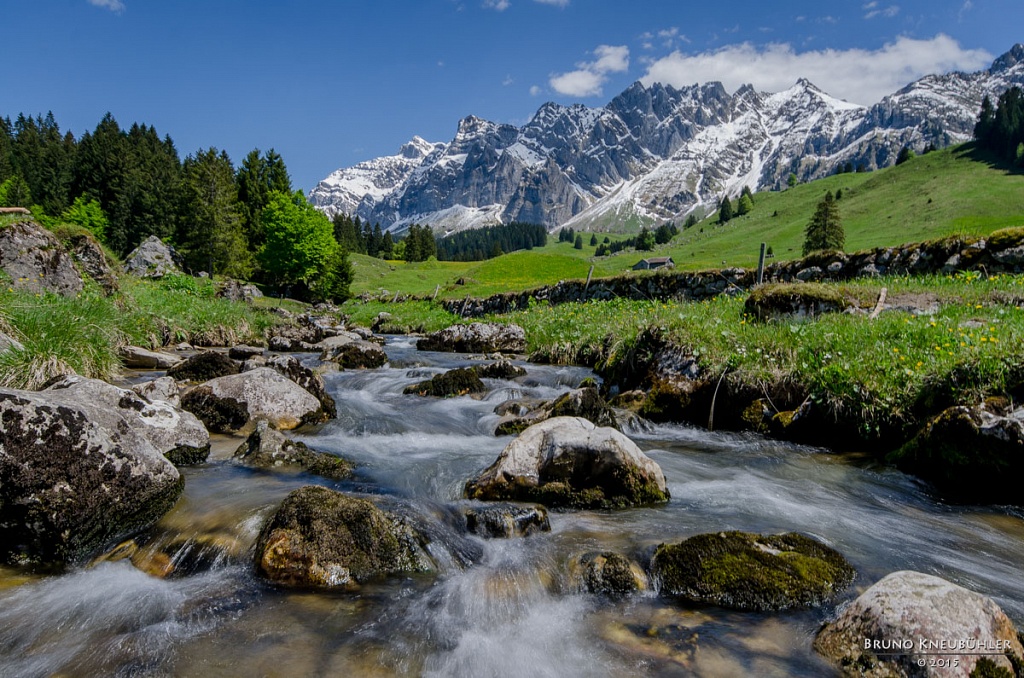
654, 153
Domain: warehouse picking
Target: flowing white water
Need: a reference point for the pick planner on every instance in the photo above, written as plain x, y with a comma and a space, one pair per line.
498, 607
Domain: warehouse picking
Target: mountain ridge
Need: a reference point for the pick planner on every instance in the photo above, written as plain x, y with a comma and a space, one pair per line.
654, 153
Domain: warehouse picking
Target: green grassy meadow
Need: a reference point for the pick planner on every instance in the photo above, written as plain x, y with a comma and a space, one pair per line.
943, 193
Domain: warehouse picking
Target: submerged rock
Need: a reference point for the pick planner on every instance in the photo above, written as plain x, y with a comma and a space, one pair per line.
476, 338
268, 449
228, 403
153, 259
203, 367
69, 481
923, 611
457, 382
570, 462
36, 261
507, 520
754, 572
607, 573
320, 538
970, 453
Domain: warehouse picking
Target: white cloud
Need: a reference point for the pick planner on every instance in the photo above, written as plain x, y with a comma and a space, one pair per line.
535, 91
589, 76
555, 3
857, 75
889, 12
967, 7
508, 80
497, 5
113, 5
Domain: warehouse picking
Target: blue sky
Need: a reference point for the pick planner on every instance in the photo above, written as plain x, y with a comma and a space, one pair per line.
328, 84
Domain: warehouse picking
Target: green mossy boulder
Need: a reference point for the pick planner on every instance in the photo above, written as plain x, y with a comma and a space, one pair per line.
752, 572
458, 382
320, 538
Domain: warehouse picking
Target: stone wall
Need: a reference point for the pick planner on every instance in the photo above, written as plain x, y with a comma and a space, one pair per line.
1003, 252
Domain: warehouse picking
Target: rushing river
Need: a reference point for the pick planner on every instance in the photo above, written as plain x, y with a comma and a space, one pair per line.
498, 607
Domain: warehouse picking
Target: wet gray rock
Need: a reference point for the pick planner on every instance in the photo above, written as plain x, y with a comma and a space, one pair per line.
476, 338
506, 520
500, 369
570, 462
164, 388
919, 607
227, 404
36, 261
457, 382
138, 358
290, 367
70, 482
153, 259
583, 402
320, 538
269, 449
354, 353
607, 573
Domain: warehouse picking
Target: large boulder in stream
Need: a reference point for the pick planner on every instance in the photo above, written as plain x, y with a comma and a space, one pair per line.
268, 449
476, 338
320, 538
583, 402
570, 462
227, 404
753, 572
351, 351
77, 472
503, 521
289, 366
909, 616
178, 435
970, 453
203, 367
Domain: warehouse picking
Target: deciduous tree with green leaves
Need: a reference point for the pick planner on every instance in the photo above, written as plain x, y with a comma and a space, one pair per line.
89, 215
300, 249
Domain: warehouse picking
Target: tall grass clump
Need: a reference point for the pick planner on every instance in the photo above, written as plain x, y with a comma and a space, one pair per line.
60, 336
406, 317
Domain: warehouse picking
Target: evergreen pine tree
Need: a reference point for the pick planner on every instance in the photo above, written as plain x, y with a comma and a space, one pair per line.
825, 229
593, 240
578, 242
745, 204
645, 240
725, 210
906, 153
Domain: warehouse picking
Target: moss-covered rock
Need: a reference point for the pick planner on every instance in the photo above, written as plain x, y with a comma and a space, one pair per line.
457, 382
792, 300
269, 449
476, 338
752, 572
585, 402
570, 462
320, 538
970, 453
607, 573
356, 354
226, 404
204, 367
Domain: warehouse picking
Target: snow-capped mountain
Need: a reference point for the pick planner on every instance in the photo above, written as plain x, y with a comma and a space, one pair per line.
654, 153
